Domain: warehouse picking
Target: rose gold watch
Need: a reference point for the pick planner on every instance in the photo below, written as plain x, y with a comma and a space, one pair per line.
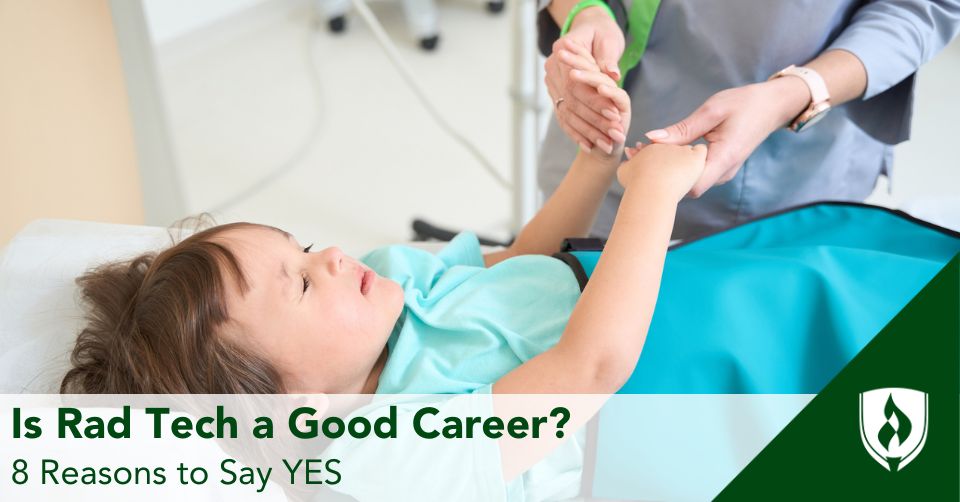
819, 96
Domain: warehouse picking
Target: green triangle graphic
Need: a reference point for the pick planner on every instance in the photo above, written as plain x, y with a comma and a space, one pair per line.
820, 454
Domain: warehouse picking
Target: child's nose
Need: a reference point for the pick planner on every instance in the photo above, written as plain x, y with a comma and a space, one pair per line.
333, 258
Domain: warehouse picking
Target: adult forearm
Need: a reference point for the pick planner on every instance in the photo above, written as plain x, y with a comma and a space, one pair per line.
842, 72
559, 9
735, 121
893, 38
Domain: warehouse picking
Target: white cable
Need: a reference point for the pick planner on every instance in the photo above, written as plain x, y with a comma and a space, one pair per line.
310, 138
394, 56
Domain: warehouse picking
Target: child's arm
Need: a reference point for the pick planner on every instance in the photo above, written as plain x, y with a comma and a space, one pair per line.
570, 211
602, 341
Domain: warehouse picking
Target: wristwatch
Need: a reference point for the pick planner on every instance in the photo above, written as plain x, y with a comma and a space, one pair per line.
819, 96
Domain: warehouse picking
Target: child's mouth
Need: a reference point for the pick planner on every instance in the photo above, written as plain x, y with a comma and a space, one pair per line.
366, 282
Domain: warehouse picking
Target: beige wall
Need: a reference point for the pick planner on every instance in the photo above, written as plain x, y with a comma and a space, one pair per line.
66, 142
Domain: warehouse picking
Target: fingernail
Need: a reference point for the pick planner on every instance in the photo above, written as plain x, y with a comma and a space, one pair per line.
610, 114
616, 135
585, 147
612, 68
658, 134
606, 147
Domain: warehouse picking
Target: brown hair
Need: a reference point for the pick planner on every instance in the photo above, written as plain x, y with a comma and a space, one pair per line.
153, 326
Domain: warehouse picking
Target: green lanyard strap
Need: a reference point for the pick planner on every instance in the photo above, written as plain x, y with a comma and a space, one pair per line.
639, 23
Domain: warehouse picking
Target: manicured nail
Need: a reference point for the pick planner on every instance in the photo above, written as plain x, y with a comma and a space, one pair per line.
658, 134
610, 114
612, 68
585, 147
616, 135
606, 147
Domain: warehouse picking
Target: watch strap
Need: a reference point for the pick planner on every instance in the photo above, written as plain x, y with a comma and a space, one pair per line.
818, 88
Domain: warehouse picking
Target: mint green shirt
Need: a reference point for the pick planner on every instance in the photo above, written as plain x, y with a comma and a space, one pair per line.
464, 326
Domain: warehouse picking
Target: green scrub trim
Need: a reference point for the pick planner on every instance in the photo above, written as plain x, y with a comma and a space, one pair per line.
639, 22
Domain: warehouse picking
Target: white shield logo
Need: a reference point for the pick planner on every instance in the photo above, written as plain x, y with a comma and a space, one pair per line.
893, 425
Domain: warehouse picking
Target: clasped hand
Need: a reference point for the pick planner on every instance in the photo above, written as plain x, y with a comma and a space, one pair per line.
733, 122
669, 169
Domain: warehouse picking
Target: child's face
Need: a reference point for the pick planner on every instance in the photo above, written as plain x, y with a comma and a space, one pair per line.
321, 318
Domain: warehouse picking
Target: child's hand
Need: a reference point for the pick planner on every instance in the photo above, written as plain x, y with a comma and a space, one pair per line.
605, 121
672, 169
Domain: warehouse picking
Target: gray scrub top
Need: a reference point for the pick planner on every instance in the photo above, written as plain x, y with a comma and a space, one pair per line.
699, 47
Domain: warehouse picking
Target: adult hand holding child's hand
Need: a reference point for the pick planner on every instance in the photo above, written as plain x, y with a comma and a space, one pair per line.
735, 122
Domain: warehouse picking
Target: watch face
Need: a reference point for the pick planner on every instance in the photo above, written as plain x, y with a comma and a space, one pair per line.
811, 116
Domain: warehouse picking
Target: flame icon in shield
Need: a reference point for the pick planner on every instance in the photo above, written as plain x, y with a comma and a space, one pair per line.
893, 425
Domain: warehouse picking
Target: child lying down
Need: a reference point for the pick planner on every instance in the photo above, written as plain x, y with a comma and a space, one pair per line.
244, 308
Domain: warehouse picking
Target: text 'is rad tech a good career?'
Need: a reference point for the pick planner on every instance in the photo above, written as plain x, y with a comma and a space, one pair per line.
73, 425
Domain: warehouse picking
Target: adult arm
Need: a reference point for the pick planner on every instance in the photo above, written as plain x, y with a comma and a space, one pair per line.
580, 112
735, 121
592, 28
885, 42
893, 38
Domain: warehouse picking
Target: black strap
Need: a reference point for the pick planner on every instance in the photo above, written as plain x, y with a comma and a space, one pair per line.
582, 244
575, 266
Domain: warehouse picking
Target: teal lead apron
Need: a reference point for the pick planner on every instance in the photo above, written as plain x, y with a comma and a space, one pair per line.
778, 305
